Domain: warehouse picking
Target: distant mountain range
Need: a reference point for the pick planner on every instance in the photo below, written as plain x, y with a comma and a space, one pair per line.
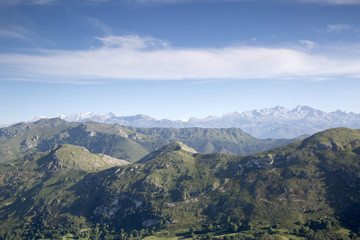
277, 122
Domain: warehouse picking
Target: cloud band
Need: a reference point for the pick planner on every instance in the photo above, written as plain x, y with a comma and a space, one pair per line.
134, 57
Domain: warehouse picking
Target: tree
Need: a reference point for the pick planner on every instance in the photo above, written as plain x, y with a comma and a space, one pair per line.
210, 228
234, 227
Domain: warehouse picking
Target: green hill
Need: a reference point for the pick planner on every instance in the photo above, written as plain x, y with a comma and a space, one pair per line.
121, 142
305, 190
37, 185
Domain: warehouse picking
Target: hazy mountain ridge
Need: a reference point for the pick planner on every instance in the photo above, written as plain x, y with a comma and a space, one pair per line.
127, 143
277, 122
304, 190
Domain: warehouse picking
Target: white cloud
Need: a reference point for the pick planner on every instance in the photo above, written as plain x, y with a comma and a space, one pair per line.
132, 42
337, 28
133, 57
307, 43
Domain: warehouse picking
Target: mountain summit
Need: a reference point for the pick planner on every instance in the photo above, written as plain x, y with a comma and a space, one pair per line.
171, 148
66, 158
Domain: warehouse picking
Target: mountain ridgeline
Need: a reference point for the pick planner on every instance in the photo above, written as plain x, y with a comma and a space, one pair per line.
127, 143
305, 190
277, 122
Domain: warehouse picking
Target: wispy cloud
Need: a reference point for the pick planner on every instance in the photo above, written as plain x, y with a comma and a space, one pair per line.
307, 43
90, 2
132, 42
337, 28
335, 2
97, 2
5, 33
98, 24
135, 57
28, 2
167, 1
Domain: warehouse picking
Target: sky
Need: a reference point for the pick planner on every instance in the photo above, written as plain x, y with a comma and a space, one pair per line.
177, 59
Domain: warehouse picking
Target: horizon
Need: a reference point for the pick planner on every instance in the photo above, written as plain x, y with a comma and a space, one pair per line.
63, 116
177, 59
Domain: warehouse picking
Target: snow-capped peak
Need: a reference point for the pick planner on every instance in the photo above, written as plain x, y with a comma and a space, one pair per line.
277, 122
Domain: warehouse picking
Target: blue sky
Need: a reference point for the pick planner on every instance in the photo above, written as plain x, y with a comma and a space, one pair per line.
176, 58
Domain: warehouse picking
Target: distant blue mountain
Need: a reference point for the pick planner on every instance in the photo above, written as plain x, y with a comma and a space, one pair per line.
277, 122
